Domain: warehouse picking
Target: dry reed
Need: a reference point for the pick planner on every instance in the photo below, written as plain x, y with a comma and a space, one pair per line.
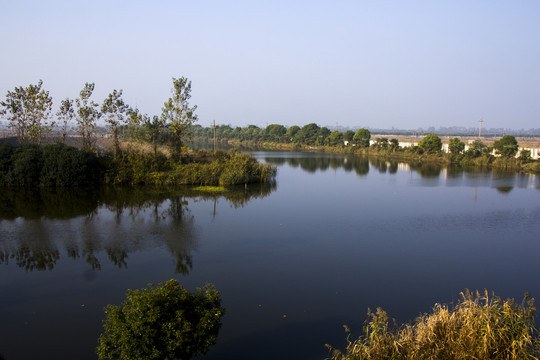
479, 326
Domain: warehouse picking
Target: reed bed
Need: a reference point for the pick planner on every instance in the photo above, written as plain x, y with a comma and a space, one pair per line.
480, 326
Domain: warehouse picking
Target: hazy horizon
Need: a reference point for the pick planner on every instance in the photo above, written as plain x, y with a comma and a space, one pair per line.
407, 65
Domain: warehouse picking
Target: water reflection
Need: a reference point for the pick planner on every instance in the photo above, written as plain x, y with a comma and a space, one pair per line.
428, 174
110, 222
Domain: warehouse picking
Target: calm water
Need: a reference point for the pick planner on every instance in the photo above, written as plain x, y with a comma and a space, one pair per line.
293, 262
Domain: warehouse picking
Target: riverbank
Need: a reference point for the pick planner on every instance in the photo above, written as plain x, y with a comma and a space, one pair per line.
59, 165
480, 158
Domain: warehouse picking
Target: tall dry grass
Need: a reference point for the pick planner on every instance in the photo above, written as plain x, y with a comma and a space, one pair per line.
479, 326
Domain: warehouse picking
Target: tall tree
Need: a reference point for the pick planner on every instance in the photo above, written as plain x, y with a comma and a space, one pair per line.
362, 137
506, 146
154, 129
113, 109
177, 114
87, 116
431, 144
456, 146
65, 114
28, 111
134, 118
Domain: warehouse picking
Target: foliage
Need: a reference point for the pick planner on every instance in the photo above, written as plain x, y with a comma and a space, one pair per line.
431, 144
67, 166
203, 168
478, 327
30, 165
525, 156
177, 114
154, 128
394, 144
456, 146
275, 132
507, 146
362, 137
381, 143
28, 111
291, 132
113, 109
65, 114
163, 322
87, 116
348, 135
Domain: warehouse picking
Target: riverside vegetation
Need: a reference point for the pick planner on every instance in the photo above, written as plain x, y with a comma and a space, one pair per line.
31, 165
29, 114
480, 326
311, 137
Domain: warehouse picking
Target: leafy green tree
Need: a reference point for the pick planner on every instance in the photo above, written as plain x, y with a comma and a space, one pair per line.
113, 109
275, 132
394, 144
308, 134
362, 137
65, 114
177, 114
456, 146
134, 118
507, 146
154, 128
163, 322
381, 143
348, 135
291, 132
336, 138
525, 156
476, 149
28, 111
322, 135
430, 144
87, 116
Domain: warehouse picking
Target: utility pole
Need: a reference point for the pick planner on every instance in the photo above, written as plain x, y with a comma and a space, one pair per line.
336, 126
480, 130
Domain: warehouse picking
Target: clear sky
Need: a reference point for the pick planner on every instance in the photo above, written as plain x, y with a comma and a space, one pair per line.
383, 64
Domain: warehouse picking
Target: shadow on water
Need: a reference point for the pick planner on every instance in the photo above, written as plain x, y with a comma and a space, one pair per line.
112, 221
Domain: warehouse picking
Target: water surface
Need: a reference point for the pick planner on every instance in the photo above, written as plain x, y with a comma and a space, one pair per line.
293, 261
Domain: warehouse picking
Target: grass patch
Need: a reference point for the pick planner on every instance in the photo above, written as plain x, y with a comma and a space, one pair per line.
479, 326
212, 189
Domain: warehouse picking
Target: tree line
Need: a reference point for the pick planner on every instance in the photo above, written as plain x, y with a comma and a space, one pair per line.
29, 113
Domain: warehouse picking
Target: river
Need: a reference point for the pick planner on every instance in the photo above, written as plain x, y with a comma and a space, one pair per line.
294, 261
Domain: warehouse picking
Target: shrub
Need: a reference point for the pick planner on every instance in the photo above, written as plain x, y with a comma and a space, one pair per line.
26, 166
163, 322
67, 166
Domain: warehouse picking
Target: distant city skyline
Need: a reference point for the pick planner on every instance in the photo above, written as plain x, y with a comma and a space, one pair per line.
401, 64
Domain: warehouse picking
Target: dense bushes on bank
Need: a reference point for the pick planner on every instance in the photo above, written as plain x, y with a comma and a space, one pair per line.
198, 168
60, 165
32, 165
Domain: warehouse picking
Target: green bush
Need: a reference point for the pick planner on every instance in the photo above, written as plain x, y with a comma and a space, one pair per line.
67, 166
26, 166
163, 322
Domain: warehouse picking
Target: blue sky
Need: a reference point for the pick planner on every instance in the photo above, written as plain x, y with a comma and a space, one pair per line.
383, 64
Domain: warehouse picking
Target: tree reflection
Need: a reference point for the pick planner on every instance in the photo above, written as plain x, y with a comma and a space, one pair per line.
108, 223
